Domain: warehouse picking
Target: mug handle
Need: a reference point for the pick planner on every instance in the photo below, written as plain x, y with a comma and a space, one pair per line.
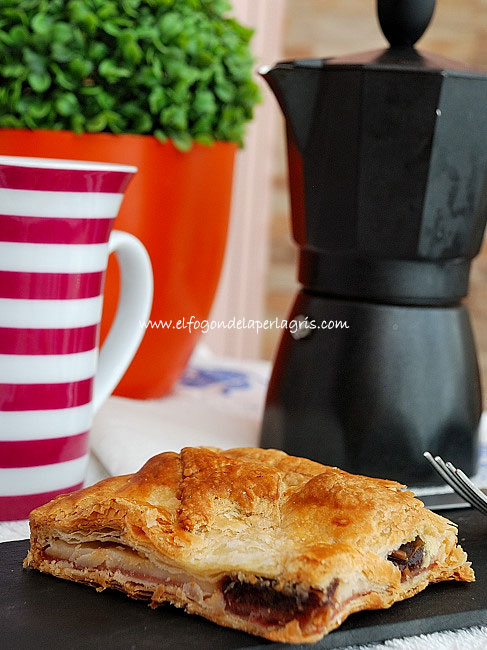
134, 306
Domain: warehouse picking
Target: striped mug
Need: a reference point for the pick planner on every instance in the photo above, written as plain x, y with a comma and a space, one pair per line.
56, 218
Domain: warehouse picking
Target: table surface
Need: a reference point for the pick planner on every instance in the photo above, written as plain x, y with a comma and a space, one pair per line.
32, 603
218, 402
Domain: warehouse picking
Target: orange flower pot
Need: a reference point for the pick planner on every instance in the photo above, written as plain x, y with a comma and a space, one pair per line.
178, 205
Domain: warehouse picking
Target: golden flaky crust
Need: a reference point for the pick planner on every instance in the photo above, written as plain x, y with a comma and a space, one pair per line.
252, 515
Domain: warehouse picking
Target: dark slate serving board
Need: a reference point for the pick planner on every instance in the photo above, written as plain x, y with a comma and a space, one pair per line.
39, 611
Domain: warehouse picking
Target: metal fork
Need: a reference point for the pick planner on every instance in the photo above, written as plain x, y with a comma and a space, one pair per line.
459, 481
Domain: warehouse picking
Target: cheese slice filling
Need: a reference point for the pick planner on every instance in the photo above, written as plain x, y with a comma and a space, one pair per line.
116, 558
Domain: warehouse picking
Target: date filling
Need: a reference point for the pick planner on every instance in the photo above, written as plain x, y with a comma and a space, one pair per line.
263, 601
408, 558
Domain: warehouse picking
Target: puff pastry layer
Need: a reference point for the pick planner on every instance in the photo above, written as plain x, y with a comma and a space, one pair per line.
253, 539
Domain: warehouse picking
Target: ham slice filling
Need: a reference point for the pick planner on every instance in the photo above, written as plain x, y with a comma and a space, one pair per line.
261, 600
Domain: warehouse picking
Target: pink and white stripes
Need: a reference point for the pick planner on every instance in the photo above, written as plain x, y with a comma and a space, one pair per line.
55, 222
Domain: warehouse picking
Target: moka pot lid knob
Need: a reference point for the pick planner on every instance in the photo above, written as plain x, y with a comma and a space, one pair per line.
403, 22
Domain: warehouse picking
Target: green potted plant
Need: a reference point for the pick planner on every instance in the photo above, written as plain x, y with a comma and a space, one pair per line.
162, 84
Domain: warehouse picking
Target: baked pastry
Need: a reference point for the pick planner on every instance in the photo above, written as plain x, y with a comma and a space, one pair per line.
253, 539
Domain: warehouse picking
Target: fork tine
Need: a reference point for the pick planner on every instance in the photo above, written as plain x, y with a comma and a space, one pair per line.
476, 489
440, 467
476, 502
471, 489
455, 482
467, 492
437, 467
437, 464
461, 487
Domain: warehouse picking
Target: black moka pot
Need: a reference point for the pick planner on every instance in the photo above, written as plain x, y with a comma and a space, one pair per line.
388, 177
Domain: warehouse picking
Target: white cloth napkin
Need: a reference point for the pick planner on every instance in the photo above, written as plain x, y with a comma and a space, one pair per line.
217, 403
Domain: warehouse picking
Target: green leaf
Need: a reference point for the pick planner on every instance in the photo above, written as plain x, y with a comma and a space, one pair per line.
157, 68
80, 13
97, 51
115, 122
78, 123
204, 103
63, 33
39, 82
112, 29
204, 124
179, 93
15, 92
19, 35
160, 135
41, 24
4, 97
107, 10
40, 110
15, 70
62, 79
130, 110
248, 95
67, 104
130, 48
204, 138
170, 25
90, 22
35, 62
97, 123
174, 117
225, 91
112, 72
10, 122
143, 123
157, 99
90, 91
145, 77
6, 39
61, 52
80, 67
204, 59
182, 141
104, 100
130, 7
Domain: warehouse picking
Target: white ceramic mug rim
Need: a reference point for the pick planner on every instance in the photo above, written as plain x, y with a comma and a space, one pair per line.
59, 163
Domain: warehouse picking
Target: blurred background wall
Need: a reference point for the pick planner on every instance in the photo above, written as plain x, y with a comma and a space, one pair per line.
322, 28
